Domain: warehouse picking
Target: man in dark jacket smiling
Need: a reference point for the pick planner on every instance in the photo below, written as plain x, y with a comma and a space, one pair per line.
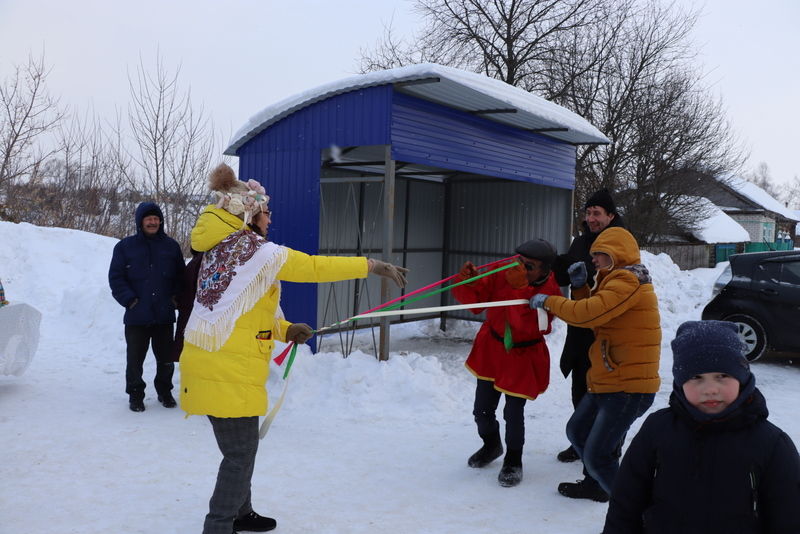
144, 276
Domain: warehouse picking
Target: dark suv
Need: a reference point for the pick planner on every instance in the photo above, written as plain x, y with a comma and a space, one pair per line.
760, 292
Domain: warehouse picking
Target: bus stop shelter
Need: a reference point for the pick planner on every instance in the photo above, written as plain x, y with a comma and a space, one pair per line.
423, 166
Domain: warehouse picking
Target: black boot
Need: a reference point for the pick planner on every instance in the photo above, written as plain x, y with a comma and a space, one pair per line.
568, 455
587, 488
253, 522
136, 405
511, 472
167, 400
491, 450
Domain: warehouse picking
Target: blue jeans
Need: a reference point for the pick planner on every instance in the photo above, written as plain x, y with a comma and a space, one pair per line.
598, 427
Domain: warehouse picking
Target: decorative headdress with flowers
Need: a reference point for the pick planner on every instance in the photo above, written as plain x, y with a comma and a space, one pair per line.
243, 199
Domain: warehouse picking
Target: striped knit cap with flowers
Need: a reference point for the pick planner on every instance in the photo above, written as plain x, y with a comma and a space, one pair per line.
243, 199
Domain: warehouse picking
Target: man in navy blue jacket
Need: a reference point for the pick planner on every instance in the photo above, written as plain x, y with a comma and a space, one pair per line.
144, 276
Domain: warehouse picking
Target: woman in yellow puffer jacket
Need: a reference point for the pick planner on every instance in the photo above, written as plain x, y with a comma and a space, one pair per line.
622, 309
229, 336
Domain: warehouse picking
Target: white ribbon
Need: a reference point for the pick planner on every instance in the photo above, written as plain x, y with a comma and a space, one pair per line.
542, 315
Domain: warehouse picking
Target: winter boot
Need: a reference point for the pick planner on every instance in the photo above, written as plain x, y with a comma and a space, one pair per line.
511, 472
136, 405
167, 400
583, 489
491, 450
568, 455
253, 522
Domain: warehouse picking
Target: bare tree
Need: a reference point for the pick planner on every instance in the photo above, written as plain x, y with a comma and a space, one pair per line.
27, 114
84, 178
77, 174
74, 187
511, 40
762, 177
625, 66
168, 147
792, 195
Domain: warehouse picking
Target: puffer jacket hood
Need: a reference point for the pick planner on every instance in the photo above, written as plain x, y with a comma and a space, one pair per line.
148, 208
620, 245
213, 225
622, 310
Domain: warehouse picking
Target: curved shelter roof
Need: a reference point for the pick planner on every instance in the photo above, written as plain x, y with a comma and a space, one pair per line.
454, 88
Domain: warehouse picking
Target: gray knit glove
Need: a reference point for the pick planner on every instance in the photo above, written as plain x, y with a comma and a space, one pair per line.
577, 274
387, 270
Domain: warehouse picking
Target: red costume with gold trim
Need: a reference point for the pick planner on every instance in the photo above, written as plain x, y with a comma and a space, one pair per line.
524, 370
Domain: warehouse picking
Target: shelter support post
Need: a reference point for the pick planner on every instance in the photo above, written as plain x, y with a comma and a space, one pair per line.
388, 245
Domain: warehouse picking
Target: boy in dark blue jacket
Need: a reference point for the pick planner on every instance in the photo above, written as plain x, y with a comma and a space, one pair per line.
145, 277
711, 462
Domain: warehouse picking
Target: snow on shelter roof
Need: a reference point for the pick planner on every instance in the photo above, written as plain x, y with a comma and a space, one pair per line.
450, 87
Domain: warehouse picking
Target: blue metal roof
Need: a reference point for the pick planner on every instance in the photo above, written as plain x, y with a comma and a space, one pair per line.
455, 88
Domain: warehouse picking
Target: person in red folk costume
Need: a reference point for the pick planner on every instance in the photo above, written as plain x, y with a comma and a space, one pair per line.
509, 354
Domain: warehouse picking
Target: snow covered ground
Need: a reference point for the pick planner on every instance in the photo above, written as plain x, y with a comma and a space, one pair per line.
359, 445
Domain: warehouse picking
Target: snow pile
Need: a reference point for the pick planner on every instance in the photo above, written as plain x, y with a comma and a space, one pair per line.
681, 295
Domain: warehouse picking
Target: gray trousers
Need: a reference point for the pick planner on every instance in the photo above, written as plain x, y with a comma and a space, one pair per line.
237, 438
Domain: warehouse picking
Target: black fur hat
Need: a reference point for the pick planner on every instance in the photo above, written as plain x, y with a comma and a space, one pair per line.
603, 199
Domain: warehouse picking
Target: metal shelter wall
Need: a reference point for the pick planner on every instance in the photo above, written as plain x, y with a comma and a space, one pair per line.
437, 227
481, 214
424, 132
488, 219
285, 158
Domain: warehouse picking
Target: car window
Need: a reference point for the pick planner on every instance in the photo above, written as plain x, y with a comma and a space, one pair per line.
769, 271
791, 273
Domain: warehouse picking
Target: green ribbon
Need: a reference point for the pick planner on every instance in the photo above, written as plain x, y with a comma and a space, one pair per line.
448, 288
291, 360
508, 341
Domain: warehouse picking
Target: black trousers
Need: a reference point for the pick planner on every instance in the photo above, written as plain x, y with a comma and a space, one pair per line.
575, 360
486, 400
579, 387
139, 339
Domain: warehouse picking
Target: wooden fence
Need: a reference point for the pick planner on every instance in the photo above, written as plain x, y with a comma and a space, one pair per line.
686, 256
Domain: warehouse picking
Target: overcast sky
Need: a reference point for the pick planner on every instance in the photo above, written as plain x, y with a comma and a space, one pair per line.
239, 56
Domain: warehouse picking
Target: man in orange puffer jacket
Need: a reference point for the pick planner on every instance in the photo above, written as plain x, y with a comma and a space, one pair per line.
622, 309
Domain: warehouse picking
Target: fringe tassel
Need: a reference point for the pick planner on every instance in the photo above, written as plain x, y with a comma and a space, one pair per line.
212, 336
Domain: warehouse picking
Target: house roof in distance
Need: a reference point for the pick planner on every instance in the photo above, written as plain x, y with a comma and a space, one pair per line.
719, 227
758, 196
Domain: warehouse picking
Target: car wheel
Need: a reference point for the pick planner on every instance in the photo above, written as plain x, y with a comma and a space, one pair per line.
753, 335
